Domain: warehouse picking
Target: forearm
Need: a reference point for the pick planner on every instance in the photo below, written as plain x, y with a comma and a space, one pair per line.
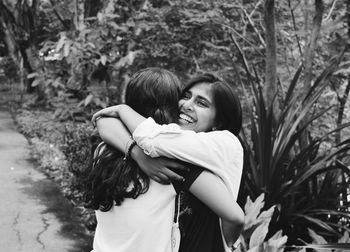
113, 132
209, 189
129, 117
231, 231
173, 142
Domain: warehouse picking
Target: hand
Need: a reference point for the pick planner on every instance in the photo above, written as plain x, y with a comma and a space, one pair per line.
108, 112
157, 168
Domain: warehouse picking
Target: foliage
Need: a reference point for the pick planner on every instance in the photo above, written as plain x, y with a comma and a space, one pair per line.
79, 64
94, 61
9, 68
254, 236
301, 180
319, 244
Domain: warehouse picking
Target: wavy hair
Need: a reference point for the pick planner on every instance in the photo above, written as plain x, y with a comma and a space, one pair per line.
227, 105
152, 92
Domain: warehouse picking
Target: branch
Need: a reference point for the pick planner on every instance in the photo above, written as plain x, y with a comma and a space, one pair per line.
255, 8
342, 108
254, 28
331, 10
295, 28
241, 54
244, 38
60, 18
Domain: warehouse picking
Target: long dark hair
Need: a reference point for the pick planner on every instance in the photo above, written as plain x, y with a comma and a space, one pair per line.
227, 105
152, 92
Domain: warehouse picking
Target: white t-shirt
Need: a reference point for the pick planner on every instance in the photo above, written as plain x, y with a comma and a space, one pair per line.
138, 225
217, 151
144, 223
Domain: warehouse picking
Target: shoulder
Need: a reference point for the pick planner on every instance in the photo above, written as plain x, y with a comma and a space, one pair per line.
225, 136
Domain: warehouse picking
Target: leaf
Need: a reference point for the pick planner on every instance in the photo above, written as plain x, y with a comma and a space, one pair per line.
100, 103
267, 215
100, 17
317, 239
259, 248
259, 235
36, 82
252, 210
88, 100
61, 42
32, 75
345, 238
66, 48
277, 242
103, 60
128, 59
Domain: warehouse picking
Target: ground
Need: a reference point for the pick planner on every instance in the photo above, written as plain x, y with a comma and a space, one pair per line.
36, 179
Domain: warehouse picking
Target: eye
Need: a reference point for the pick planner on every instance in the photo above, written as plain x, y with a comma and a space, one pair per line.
186, 96
202, 103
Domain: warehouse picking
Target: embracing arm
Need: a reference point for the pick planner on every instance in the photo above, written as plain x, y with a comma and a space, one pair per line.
130, 118
113, 132
217, 151
209, 189
158, 140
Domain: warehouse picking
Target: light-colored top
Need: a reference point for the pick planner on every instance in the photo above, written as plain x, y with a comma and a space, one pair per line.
138, 225
218, 151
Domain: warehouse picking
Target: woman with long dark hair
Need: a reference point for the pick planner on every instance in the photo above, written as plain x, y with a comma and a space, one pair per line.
209, 105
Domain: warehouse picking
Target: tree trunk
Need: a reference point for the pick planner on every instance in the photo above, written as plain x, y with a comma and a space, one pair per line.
343, 100
14, 52
18, 24
310, 49
308, 61
270, 88
92, 7
342, 103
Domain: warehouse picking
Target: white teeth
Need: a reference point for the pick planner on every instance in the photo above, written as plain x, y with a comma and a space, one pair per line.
186, 118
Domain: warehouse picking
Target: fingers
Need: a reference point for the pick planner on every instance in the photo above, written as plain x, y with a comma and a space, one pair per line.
95, 117
164, 178
161, 179
172, 175
170, 163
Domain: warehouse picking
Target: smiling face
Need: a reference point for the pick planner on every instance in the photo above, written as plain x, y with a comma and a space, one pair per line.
197, 110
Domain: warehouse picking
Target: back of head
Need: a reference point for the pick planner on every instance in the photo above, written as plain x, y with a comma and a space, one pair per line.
226, 102
154, 92
151, 92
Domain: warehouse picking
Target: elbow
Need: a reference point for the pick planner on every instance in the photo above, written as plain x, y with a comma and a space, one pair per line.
103, 129
238, 219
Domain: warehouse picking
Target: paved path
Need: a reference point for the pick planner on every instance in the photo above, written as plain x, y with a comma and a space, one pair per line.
34, 216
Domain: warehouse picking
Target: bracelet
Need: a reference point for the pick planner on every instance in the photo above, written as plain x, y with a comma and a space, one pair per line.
130, 144
235, 245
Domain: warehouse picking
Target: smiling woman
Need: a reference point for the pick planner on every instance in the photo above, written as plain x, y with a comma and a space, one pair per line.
209, 95
210, 117
197, 111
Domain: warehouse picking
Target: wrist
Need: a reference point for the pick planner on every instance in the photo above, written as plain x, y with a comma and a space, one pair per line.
135, 152
128, 149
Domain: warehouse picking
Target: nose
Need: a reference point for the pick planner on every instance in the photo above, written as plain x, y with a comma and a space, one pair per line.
187, 104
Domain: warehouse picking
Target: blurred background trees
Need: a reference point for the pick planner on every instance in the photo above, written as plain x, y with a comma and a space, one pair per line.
288, 60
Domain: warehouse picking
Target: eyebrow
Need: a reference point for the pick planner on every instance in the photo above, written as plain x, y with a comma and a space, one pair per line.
204, 98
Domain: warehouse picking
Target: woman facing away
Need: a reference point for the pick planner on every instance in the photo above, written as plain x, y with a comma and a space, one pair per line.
133, 212
207, 105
